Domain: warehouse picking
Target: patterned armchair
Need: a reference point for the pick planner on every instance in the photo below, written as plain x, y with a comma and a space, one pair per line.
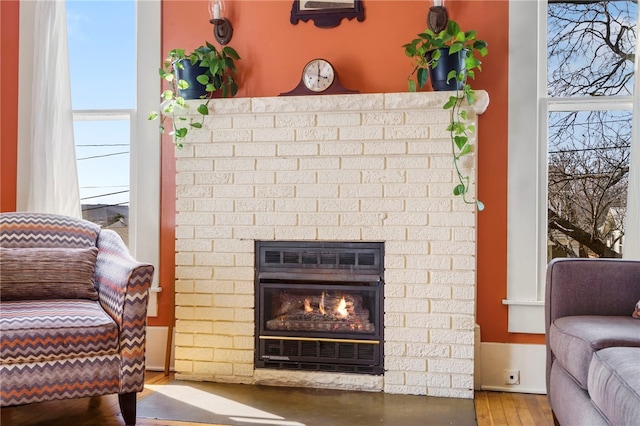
73, 306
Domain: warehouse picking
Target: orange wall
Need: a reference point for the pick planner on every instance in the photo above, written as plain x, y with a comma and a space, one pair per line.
369, 57
9, 24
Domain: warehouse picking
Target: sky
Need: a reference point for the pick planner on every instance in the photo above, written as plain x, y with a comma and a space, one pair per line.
101, 37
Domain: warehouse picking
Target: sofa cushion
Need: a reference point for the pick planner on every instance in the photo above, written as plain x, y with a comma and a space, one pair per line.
47, 273
573, 340
39, 330
614, 384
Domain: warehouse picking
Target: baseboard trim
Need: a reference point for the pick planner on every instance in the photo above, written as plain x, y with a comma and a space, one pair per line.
529, 359
156, 347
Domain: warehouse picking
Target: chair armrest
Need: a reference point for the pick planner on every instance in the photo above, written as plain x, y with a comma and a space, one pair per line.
123, 288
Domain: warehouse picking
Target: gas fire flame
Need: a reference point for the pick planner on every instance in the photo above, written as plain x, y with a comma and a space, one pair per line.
341, 311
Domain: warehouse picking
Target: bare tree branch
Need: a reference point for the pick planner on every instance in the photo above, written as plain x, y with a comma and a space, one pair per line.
580, 235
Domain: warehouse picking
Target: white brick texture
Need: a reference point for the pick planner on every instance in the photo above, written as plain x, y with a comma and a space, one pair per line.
370, 167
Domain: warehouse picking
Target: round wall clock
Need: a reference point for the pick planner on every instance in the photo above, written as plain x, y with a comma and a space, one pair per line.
319, 77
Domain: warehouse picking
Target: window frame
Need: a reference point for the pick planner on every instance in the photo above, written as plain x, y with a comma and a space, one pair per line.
527, 180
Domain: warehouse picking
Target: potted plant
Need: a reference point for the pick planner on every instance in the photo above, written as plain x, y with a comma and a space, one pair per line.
450, 57
197, 75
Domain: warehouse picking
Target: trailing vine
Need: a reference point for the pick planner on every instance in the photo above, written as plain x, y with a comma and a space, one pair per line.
425, 52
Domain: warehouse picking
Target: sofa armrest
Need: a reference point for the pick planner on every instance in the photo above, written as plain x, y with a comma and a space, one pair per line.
591, 287
123, 288
578, 286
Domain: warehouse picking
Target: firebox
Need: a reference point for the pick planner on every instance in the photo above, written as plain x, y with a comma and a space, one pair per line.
319, 306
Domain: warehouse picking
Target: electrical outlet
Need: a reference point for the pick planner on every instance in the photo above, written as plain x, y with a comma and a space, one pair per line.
512, 377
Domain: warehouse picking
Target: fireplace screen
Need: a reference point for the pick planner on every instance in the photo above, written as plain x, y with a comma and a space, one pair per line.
319, 306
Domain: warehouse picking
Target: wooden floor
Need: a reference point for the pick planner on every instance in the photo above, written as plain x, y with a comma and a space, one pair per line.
492, 408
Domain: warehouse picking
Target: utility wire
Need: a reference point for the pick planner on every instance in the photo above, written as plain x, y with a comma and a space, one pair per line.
104, 195
102, 156
102, 145
563, 151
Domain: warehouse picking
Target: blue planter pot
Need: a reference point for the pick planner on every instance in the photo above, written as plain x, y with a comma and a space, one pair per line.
189, 74
446, 63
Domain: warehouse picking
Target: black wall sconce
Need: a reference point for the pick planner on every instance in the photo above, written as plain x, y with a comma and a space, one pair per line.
222, 29
437, 18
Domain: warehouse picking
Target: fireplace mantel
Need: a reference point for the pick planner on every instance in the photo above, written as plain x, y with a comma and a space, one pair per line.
337, 103
357, 167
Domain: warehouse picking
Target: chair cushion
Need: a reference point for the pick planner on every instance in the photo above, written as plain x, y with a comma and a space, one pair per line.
30, 229
614, 384
40, 330
573, 340
47, 273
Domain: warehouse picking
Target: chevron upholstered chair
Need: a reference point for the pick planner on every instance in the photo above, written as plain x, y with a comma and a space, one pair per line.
73, 306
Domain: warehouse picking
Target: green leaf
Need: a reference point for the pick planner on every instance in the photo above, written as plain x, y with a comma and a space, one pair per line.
203, 109
412, 85
453, 28
180, 133
230, 51
203, 79
409, 50
167, 95
459, 189
196, 125
471, 62
182, 84
463, 114
460, 141
468, 148
422, 76
455, 48
152, 116
450, 103
453, 74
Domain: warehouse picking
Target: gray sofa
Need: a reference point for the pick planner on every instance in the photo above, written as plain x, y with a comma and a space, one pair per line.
593, 342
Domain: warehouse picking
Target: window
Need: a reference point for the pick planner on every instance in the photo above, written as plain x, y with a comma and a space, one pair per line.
591, 52
98, 58
575, 120
114, 53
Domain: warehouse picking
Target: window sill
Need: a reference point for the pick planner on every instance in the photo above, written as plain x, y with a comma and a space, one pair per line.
525, 316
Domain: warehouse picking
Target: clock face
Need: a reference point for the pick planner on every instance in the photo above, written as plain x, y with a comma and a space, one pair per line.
318, 75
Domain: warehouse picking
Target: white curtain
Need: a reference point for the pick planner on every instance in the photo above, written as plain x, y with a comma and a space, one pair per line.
631, 248
53, 184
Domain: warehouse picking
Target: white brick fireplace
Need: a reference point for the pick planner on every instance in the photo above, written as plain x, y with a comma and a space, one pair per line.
360, 167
